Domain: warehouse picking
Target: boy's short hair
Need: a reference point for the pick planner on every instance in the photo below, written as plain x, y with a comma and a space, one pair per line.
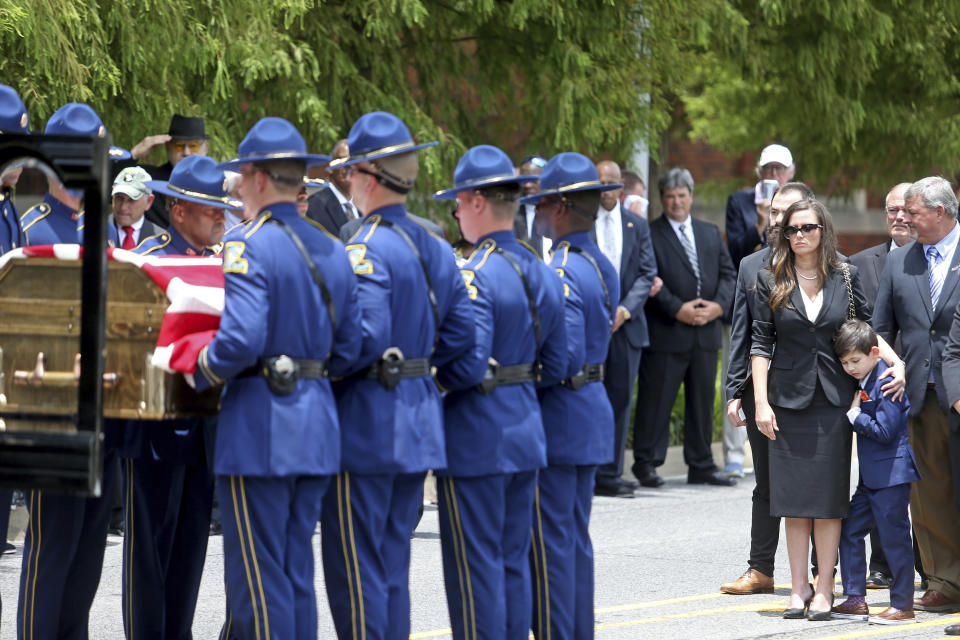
854, 335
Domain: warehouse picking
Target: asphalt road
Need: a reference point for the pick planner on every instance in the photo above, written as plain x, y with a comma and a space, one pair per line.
660, 559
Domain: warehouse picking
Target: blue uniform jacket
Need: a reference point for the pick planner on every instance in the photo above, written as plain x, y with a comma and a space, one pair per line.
176, 441
503, 432
51, 222
579, 424
401, 430
883, 449
273, 307
11, 236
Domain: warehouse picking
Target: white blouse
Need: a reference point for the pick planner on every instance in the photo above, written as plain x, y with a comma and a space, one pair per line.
812, 306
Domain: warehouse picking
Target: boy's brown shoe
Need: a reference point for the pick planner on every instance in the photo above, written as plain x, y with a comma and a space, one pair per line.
892, 615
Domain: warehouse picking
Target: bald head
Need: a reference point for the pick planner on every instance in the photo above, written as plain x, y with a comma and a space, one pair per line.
609, 173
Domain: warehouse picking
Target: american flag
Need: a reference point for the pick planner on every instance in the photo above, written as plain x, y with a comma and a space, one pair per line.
193, 285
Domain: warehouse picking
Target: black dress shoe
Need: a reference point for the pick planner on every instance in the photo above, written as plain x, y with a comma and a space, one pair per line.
711, 477
801, 612
952, 630
878, 580
8, 548
613, 490
651, 479
633, 484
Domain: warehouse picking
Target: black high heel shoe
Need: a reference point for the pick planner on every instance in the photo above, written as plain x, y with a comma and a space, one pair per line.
799, 613
821, 616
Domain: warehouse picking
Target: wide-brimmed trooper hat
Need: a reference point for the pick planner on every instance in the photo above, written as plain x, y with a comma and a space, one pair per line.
566, 173
272, 139
197, 179
13, 113
480, 167
375, 135
79, 119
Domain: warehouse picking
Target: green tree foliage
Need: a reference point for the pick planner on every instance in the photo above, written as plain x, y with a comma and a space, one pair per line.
864, 92
529, 75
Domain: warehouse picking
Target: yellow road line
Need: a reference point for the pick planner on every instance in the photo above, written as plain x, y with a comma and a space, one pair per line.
775, 605
659, 603
431, 634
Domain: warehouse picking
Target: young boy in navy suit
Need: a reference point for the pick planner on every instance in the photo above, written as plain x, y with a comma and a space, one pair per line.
887, 468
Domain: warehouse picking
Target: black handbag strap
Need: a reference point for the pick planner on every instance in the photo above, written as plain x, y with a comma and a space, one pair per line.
312, 266
603, 283
531, 302
426, 275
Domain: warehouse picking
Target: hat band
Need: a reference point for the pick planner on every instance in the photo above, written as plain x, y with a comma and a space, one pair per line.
375, 152
480, 182
205, 196
276, 155
580, 185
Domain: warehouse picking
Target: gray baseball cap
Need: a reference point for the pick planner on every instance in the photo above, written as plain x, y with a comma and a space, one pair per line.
131, 182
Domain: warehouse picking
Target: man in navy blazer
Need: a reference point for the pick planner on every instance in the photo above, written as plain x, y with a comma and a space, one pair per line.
685, 335
744, 229
624, 238
887, 469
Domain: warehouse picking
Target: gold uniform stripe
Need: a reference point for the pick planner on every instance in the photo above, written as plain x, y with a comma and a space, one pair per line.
129, 541
373, 227
253, 557
346, 555
458, 531
256, 225
243, 552
356, 562
543, 562
456, 548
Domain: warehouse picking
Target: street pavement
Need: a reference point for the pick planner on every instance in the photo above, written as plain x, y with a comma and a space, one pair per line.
660, 559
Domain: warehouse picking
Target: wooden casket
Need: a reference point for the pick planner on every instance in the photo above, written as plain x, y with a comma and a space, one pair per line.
40, 344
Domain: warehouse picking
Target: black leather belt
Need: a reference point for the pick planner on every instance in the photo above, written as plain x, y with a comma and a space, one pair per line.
589, 373
392, 368
498, 376
282, 372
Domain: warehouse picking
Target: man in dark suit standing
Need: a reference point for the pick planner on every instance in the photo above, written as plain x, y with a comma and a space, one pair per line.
331, 207
744, 230
870, 261
917, 296
624, 238
685, 336
523, 223
951, 378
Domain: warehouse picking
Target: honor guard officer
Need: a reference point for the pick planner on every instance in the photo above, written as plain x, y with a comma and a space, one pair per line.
59, 218
289, 297
13, 119
577, 416
414, 312
66, 536
167, 483
493, 427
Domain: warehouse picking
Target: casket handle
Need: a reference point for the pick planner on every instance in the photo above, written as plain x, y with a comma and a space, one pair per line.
40, 377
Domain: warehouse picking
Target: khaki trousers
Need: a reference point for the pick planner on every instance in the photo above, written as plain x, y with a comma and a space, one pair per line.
932, 502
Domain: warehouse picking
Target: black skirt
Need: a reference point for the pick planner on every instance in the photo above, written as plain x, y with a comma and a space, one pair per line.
810, 461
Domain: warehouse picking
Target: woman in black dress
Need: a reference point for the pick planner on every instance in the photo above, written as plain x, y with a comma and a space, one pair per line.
802, 392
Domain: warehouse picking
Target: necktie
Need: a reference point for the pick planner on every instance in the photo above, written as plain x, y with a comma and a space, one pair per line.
128, 242
691, 254
348, 210
936, 278
608, 240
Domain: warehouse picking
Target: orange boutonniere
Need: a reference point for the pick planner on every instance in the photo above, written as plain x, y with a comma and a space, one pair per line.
863, 396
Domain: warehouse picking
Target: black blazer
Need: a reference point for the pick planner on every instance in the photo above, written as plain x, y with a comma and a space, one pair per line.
534, 239
903, 304
951, 370
739, 372
325, 209
870, 263
741, 226
802, 351
718, 279
157, 213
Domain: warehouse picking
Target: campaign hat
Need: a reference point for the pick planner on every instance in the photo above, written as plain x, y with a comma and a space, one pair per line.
197, 179
480, 167
13, 113
378, 134
566, 173
272, 139
187, 128
79, 119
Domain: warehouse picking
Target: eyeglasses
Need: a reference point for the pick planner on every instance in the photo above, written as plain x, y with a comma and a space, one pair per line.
349, 171
804, 229
195, 146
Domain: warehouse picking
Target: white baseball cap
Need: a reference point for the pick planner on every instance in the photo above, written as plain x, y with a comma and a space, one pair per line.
131, 183
775, 153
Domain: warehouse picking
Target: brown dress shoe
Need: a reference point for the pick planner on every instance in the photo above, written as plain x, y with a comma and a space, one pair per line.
849, 611
750, 582
936, 602
892, 615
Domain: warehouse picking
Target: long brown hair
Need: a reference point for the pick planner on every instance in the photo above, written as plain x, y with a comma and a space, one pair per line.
782, 261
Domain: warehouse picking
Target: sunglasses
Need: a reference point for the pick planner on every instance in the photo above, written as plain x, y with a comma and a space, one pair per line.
804, 229
194, 145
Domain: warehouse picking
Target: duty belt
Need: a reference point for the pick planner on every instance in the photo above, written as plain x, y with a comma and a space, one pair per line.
282, 372
589, 373
498, 376
392, 368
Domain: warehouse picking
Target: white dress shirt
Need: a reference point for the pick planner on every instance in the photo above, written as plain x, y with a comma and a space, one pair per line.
687, 230
342, 199
609, 229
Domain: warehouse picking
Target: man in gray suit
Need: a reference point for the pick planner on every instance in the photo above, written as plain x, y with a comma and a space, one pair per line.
870, 261
917, 295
